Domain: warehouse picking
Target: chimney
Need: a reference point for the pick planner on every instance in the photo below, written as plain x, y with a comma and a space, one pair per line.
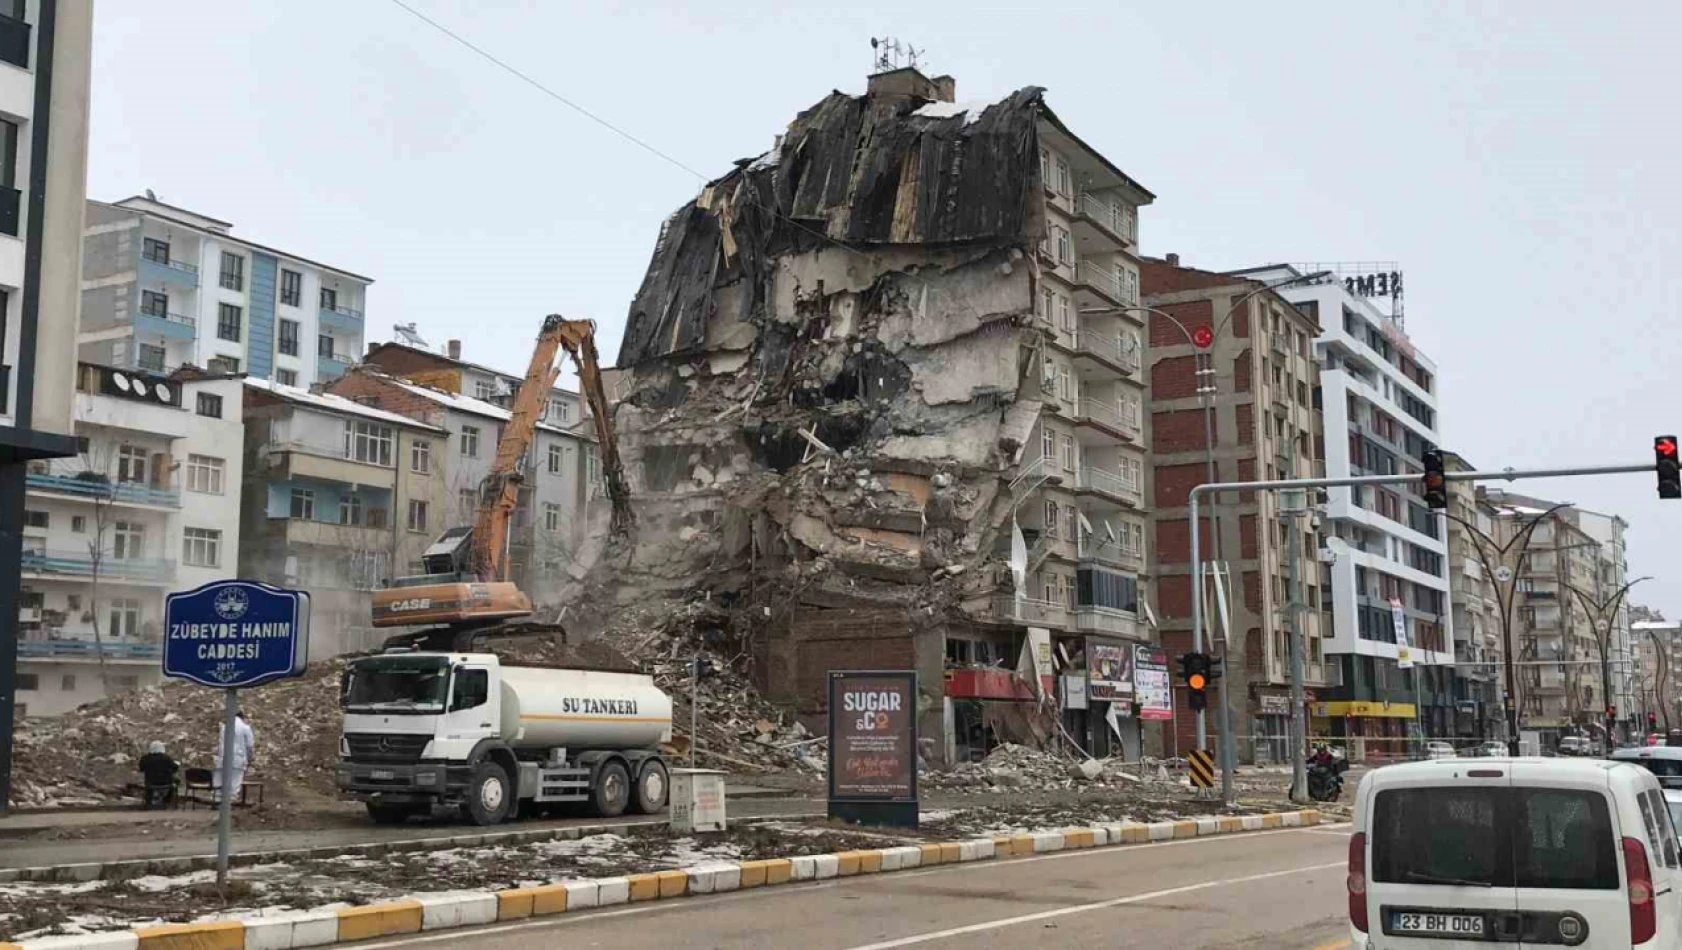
1172, 259
454, 349
905, 82
946, 88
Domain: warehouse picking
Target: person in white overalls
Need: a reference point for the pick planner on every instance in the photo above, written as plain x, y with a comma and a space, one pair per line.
245, 749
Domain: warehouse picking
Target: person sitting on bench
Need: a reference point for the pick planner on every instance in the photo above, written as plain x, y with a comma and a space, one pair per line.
159, 770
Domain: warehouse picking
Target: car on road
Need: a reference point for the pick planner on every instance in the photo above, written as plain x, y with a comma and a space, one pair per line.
1673, 800
1575, 745
1440, 750
1455, 855
1490, 749
1664, 761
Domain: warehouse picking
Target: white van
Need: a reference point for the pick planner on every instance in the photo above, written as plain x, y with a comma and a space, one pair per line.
1533, 852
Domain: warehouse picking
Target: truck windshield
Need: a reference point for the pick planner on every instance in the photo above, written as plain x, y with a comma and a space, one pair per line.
398, 685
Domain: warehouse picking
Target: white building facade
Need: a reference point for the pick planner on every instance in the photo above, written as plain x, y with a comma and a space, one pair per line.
149, 505
1386, 552
164, 287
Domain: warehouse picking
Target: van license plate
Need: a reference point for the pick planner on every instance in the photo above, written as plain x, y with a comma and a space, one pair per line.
385, 775
1464, 925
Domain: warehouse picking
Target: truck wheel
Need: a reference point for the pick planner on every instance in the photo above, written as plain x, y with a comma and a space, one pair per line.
389, 814
613, 790
489, 796
652, 788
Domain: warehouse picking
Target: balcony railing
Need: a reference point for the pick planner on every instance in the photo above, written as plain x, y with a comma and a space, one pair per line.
1124, 418
331, 367
341, 311
1105, 282
1280, 344
1032, 476
1112, 349
180, 318
1090, 619
1110, 483
78, 564
1026, 610
104, 489
113, 649
1112, 217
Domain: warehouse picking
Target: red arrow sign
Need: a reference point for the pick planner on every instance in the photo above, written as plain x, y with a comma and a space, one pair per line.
1664, 445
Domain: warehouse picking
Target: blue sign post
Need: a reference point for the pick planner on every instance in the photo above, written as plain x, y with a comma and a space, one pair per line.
229, 635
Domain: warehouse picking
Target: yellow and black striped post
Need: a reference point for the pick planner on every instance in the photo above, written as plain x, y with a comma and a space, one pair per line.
1202, 764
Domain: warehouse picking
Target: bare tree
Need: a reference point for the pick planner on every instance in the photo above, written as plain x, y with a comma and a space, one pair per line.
95, 463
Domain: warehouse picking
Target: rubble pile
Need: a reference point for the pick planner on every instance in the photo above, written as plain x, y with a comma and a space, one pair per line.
88, 756
1012, 767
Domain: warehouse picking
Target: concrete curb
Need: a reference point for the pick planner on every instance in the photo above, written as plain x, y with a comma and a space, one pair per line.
467, 909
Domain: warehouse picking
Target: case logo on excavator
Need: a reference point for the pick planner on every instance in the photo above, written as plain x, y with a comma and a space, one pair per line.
417, 603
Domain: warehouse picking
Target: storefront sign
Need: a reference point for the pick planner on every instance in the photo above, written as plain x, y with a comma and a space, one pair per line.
873, 747
1365, 709
1274, 704
1153, 695
1109, 669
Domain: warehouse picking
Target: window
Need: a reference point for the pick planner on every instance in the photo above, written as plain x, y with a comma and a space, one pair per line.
201, 547
324, 346
228, 319
303, 504
470, 441
8, 155
469, 501
124, 617
1048, 307
288, 338
233, 271
557, 459
472, 689
1065, 249
1101, 588
127, 540
29, 681
128, 681
291, 287
417, 515
1048, 443
67, 682
368, 442
376, 518
131, 463
1051, 516
1065, 313
484, 390
286, 377
1045, 168
1064, 186
350, 510
204, 474
155, 250
210, 405
329, 299
551, 516
420, 457
79, 524
154, 304
151, 358
73, 601
1068, 446
559, 410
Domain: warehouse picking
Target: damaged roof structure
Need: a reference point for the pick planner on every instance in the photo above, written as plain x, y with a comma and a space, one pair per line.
831, 372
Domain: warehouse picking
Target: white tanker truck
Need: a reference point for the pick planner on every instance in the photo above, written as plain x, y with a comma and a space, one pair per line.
462, 730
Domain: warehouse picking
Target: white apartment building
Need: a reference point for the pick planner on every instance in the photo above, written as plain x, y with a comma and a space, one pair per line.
164, 287
1387, 550
149, 505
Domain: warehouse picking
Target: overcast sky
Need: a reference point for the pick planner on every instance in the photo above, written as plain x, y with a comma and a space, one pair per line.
1519, 159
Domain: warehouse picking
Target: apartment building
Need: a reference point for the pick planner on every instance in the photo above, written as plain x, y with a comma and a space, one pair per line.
1266, 425
1658, 657
1386, 556
163, 286
1612, 573
447, 371
149, 504
548, 528
45, 63
1475, 603
337, 496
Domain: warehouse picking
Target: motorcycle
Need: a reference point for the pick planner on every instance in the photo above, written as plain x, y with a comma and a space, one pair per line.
1325, 779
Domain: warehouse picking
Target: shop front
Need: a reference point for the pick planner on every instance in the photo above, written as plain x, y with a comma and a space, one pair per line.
1365, 729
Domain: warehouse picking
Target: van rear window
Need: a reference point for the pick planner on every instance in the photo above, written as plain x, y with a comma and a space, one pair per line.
1494, 837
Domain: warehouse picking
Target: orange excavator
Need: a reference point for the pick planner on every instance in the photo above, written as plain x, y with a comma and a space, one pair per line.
466, 590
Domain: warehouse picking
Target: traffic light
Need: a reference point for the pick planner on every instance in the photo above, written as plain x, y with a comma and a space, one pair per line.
1436, 486
1652, 721
1666, 464
1194, 669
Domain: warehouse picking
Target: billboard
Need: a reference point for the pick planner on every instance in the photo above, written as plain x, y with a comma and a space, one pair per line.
872, 736
1153, 693
1109, 670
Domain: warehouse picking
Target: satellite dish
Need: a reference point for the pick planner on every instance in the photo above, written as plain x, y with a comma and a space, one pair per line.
150, 196
140, 387
121, 381
161, 391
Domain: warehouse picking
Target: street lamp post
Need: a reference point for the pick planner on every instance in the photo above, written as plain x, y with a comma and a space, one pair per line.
1607, 611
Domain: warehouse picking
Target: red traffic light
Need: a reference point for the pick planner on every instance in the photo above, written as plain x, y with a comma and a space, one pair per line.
1203, 337
1665, 445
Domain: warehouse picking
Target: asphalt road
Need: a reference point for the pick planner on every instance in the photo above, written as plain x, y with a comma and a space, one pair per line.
1278, 890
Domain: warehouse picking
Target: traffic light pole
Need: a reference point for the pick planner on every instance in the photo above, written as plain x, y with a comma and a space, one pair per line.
1212, 488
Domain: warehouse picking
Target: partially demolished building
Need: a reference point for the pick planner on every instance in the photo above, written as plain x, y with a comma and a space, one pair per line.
881, 392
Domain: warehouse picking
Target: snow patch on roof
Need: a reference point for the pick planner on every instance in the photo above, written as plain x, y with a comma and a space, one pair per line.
333, 403
469, 404
945, 110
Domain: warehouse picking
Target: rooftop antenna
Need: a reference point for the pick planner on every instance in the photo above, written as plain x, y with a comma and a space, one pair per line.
889, 50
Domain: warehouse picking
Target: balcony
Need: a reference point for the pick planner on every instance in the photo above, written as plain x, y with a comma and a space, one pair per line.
163, 270
72, 649
101, 489
1122, 423
359, 537
1099, 219
1003, 608
1112, 556
1090, 619
341, 318
1110, 486
288, 460
331, 367
172, 325
1280, 345
78, 564
1109, 352
1032, 476
1105, 283
14, 41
